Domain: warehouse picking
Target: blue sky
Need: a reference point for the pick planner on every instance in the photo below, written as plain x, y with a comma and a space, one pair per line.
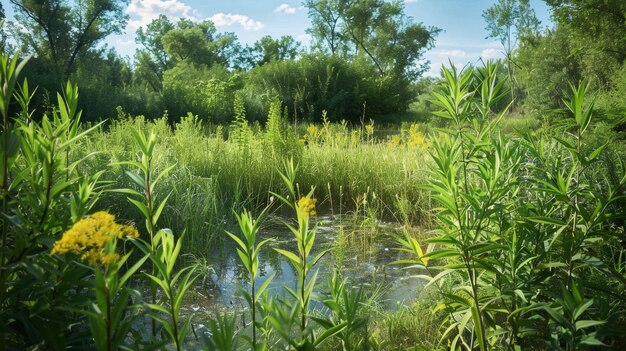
462, 40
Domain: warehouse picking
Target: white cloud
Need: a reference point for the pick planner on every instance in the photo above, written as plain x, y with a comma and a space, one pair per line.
285, 9
147, 10
490, 53
228, 19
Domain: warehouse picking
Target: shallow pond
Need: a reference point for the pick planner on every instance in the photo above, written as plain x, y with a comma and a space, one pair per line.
362, 249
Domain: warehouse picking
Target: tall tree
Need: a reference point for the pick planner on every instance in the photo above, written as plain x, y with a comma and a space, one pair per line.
326, 18
268, 49
374, 29
509, 21
60, 31
164, 45
2, 34
151, 40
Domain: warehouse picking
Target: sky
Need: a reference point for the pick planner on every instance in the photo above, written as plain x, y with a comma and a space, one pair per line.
461, 41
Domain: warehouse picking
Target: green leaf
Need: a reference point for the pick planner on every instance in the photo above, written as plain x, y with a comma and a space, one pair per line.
289, 255
546, 220
264, 286
582, 324
579, 310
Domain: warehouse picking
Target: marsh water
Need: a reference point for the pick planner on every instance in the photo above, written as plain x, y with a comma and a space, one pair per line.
363, 250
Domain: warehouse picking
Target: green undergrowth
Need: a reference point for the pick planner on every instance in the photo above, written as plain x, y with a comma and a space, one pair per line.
218, 169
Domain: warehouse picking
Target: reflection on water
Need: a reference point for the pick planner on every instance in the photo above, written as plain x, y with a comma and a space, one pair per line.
362, 252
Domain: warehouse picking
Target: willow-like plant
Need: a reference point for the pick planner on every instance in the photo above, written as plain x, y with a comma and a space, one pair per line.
173, 285
345, 305
472, 178
517, 219
303, 262
145, 202
147, 181
223, 333
38, 179
248, 252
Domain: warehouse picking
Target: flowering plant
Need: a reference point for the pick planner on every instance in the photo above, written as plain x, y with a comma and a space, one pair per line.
95, 239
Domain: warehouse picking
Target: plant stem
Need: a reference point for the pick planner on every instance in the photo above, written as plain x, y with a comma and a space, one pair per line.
107, 318
253, 314
174, 320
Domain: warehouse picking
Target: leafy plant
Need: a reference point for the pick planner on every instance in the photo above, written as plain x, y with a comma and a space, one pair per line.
145, 202
42, 193
303, 262
96, 237
223, 333
516, 218
248, 252
173, 285
345, 305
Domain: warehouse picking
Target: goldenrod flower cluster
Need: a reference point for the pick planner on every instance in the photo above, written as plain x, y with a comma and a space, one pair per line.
369, 129
90, 235
307, 206
413, 138
417, 139
312, 132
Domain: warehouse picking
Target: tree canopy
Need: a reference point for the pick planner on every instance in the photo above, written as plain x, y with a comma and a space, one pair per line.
61, 31
375, 29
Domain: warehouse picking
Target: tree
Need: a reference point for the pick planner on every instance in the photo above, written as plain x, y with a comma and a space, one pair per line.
509, 21
548, 69
375, 29
3, 38
192, 42
165, 45
268, 49
598, 34
152, 60
61, 31
326, 16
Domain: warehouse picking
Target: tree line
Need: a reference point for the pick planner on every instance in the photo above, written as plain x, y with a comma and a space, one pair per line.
362, 51
366, 59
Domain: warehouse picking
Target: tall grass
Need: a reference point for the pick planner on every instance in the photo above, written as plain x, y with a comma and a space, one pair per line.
215, 174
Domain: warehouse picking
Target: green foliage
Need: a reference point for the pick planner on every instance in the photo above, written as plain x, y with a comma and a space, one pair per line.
346, 306
303, 261
518, 245
42, 194
597, 31
267, 49
203, 91
318, 82
163, 251
146, 180
380, 32
109, 321
62, 31
546, 71
240, 129
248, 252
586, 41
223, 333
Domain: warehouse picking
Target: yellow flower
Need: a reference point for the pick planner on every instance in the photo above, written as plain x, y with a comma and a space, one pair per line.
312, 132
307, 206
90, 235
417, 139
